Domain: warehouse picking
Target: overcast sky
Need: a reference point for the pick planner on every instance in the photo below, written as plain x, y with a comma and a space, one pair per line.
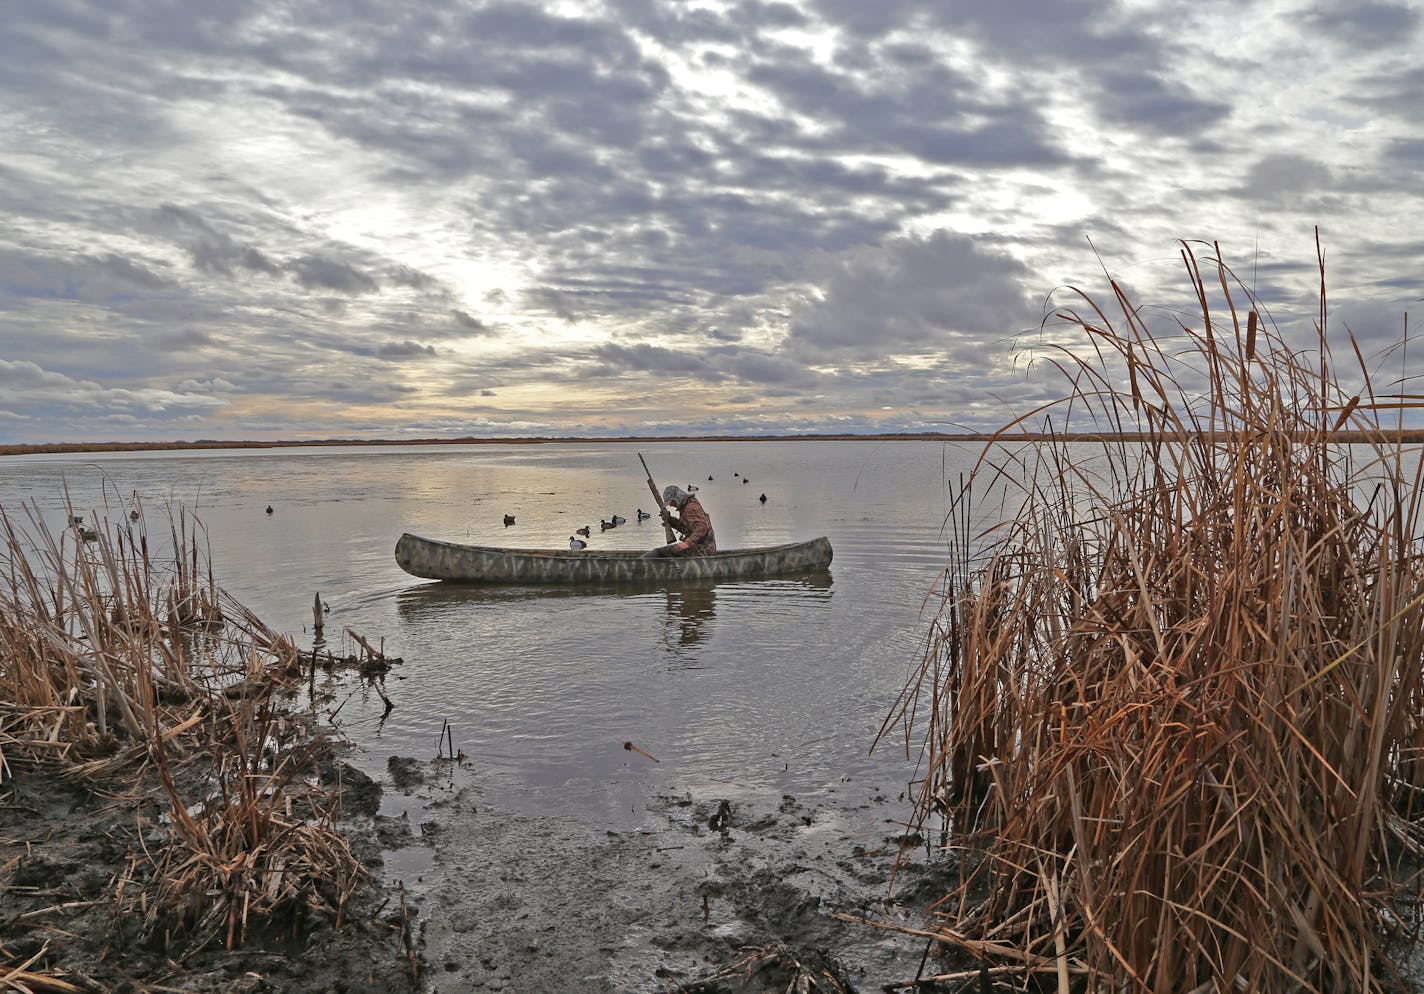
342, 218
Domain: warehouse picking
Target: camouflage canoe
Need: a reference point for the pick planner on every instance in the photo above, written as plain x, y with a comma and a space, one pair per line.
435, 560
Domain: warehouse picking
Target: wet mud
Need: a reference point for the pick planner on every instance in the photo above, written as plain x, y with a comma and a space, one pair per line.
709, 894
513, 902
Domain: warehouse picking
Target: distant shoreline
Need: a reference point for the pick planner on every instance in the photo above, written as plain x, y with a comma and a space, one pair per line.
1410, 436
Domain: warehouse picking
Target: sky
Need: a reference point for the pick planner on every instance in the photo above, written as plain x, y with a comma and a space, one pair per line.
311, 219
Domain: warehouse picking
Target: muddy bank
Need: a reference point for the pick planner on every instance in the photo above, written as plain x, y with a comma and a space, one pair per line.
707, 894
518, 902
65, 849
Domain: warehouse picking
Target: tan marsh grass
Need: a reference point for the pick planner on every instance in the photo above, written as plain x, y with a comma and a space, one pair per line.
134, 671
1170, 714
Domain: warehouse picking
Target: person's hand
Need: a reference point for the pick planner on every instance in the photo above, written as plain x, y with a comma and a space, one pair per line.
679, 547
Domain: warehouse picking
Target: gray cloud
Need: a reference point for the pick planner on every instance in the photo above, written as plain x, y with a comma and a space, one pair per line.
1406, 152
1285, 177
317, 273
1166, 106
469, 323
124, 270
768, 370
920, 293
406, 349
652, 358
184, 338
403, 275
1395, 92
1367, 24
211, 251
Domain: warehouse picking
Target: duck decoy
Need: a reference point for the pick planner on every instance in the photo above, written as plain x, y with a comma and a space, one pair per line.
582, 531
762, 498
605, 524
577, 543
709, 478
508, 520
269, 508
77, 520
618, 519
746, 479
643, 515
691, 487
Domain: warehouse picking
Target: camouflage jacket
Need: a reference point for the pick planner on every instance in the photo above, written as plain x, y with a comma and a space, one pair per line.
695, 527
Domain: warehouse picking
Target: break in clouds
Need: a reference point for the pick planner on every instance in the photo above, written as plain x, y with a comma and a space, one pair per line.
625, 217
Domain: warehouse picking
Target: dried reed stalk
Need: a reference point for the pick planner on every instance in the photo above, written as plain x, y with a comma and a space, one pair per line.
1170, 712
776, 961
114, 658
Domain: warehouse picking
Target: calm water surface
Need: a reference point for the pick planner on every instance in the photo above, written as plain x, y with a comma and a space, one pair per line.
746, 690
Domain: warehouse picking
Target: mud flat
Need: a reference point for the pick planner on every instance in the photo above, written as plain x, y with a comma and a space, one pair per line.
707, 894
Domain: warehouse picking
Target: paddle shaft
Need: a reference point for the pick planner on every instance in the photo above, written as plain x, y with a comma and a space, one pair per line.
658, 496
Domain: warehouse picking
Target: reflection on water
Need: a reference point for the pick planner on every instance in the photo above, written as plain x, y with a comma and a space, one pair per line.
690, 605
422, 598
688, 611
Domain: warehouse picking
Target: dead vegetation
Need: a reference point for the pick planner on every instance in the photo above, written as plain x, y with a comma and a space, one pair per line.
1170, 715
777, 966
133, 672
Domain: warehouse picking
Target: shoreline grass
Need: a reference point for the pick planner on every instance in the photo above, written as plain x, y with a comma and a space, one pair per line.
1169, 713
134, 672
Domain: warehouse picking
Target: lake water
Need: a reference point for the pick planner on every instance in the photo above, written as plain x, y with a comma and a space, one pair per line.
742, 689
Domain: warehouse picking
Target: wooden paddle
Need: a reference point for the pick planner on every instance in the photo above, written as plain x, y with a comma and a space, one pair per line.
658, 496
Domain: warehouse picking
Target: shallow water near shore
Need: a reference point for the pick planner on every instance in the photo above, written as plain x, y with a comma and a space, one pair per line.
776, 685
749, 693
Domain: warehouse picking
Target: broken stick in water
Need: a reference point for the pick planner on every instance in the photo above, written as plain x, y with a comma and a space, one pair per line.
632, 748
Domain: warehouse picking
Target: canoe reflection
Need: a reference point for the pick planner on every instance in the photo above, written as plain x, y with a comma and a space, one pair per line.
691, 606
439, 597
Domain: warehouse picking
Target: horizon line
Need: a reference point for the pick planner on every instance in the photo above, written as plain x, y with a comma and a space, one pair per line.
40, 448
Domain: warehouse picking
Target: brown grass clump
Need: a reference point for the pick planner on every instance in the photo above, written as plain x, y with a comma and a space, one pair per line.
1171, 712
118, 662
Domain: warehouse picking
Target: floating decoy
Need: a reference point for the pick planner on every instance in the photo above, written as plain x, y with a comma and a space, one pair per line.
709, 479
762, 498
577, 543
77, 520
582, 531
691, 487
746, 479
643, 515
605, 524
508, 520
618, 519
269, 508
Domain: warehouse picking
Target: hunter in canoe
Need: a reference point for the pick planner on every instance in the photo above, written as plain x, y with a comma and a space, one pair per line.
692, 523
